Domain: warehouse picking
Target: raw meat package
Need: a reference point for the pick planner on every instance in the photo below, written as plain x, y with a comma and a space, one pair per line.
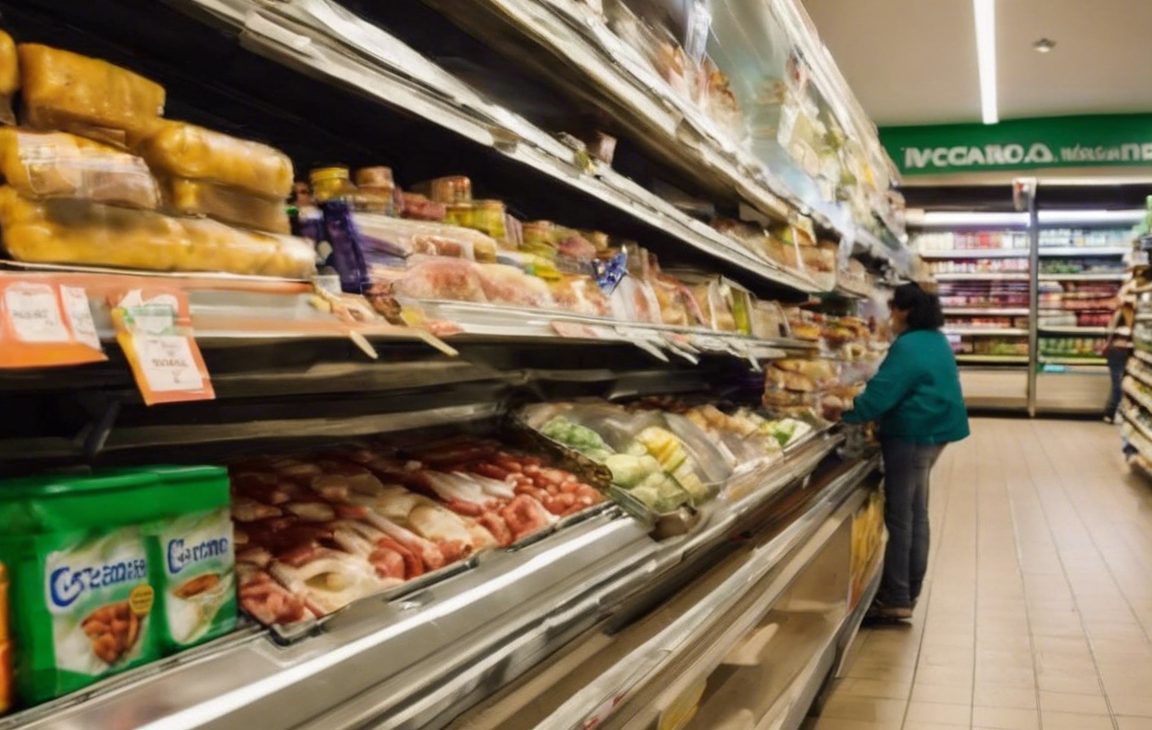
193, 556
79, 232
86, 593
61, 165
433, 278
93, 98
9, 85
580, 295
317, 532
509, 285
229, 205
181, 150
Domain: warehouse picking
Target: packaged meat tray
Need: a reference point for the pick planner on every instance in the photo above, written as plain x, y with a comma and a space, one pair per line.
87, 96
225, 204
91, 593
9, 85
45, 165
182, 150
79, 232
318, 531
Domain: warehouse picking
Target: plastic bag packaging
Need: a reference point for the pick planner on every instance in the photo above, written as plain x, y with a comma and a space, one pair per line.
420, 207
738, 302
62, 165
79, 232
580, 295
509, 285
181, 150
436, 278
9, 85
768, 320
93, 98
226, 204
636, 302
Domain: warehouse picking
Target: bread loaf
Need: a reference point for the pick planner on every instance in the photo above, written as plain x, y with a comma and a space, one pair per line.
199, 197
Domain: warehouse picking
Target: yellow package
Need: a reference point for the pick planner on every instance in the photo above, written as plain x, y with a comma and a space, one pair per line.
94, 98
230, 205
79, 232
9, 77
180, 150
62, 165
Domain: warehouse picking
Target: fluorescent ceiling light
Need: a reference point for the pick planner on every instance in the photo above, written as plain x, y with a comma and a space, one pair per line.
985, 11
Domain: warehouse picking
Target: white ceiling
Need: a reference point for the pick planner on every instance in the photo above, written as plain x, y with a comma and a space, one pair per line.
914, 61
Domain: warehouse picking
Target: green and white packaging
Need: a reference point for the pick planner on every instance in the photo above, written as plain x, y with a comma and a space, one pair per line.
197, 586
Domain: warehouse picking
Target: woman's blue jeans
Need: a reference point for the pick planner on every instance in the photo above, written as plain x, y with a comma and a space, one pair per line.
906, 470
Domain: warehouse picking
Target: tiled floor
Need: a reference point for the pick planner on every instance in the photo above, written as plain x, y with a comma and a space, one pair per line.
1038, 610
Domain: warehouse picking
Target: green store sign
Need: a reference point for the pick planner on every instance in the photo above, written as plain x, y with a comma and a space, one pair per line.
1021, 144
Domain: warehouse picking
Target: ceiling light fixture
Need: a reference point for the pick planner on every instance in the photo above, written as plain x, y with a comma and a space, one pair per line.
985, 11
1044, 45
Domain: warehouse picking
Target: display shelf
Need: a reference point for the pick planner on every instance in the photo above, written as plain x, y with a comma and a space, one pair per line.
1072, 360
1134, 393
1137, 370
1137, 434
1001, 311
585, 58
992, 359
325, 40
1084, 250
1058, 330
977, 253
419, 659
985, 332
1091, 276
1142, 356
984, 276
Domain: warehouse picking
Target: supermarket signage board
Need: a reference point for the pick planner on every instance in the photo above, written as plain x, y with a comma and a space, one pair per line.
1022, 144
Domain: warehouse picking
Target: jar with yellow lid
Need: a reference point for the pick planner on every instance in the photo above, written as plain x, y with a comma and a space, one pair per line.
488, 217
459, 214
332, 183
377, 190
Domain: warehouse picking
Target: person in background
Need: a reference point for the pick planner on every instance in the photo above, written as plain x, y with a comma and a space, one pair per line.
916, 400
1118, 347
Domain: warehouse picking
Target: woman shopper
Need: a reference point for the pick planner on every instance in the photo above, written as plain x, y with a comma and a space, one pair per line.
915, 398
1118, 347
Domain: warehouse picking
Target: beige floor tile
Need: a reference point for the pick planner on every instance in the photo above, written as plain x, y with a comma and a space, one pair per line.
951, 676
1138, 704
875, 688
885, 672
1005, 718
836, 723
941, 693
933, 726
1134, 723
995, 695
1064, 702
867, 709
1072, 721
947, 714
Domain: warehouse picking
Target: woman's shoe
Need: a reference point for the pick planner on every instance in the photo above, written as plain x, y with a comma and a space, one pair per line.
879, 611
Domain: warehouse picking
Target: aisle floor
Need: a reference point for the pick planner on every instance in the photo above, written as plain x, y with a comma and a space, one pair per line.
1037, 613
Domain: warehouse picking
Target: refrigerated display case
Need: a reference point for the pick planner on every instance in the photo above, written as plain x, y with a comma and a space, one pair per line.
410, 552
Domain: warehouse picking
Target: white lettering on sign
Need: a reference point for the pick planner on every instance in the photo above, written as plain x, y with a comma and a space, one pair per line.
34, 312
168, 363
1037, 153
80, 315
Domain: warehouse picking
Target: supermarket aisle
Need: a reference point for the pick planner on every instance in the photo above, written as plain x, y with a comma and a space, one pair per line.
1039, 607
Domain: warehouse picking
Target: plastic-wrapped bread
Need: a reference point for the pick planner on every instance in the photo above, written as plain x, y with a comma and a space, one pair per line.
64, 90
62, 165
181, 150
200, 197
9, 77
80, 232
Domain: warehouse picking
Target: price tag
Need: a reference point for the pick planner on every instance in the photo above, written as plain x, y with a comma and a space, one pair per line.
34, 312
576, 330
154, 329
678, 345
80, 315
645, 339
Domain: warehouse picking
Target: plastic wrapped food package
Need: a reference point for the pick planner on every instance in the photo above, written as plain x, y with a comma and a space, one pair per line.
509, 285
62, 165
93, 98
9, 85
434, 278
79, 232
183, 150
420, 207
768, 320
580, 295
634, 300
227, 204
399, 237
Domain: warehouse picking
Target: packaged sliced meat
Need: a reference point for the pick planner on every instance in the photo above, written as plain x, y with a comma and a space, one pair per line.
87, 96
637, 301
9, 83
225, 204
61, 165
80, 232
421, 207
511, 286
580, 295
436, 278
182, 150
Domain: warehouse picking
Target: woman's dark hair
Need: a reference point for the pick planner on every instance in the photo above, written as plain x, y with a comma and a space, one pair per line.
923, 308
